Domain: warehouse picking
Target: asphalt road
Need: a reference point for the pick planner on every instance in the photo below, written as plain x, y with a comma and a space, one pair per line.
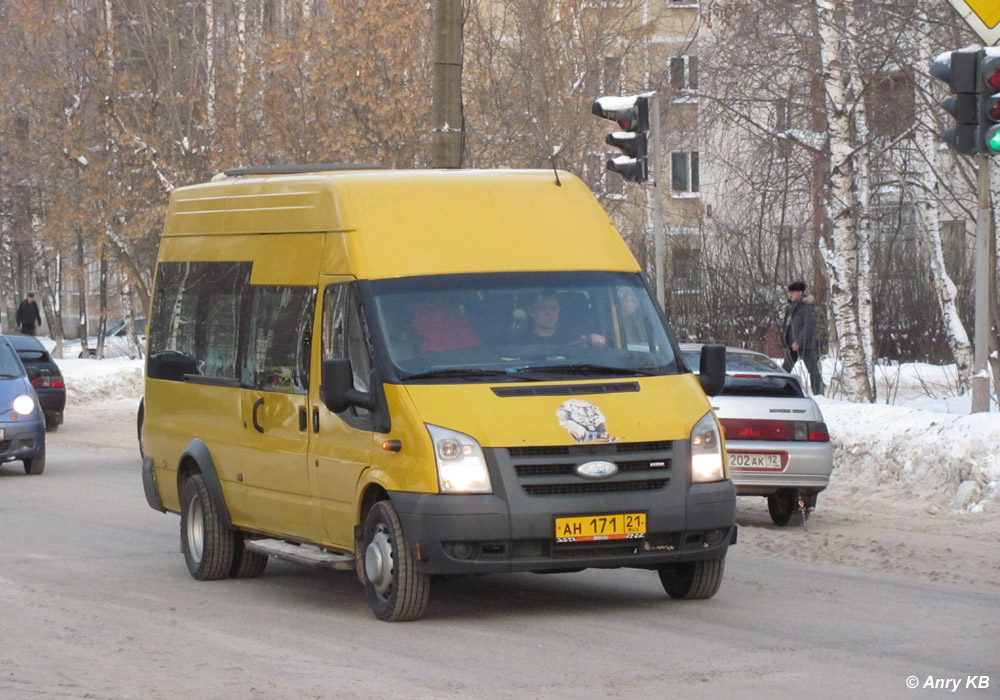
96, 602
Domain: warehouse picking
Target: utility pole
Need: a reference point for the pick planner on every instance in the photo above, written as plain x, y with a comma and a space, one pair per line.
984, 271
446, 107
656, 155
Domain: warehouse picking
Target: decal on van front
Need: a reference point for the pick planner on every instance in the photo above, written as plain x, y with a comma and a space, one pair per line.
584, 421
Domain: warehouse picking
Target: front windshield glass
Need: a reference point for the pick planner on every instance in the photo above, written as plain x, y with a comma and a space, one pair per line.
539, 326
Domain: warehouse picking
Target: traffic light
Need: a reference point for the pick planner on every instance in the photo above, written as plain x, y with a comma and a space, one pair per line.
958, 69
989, 101
632, 115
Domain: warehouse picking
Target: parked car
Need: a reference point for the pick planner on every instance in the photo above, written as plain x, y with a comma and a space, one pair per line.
22, 425
115, 341
49, 384
777, 443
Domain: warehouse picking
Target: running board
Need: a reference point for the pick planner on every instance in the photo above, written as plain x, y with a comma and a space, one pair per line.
302, 554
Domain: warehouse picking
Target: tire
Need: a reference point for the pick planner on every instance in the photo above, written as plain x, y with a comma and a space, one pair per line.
781, 505
208, 546
51, 422
246, 564
693, 580
35, 465
140, 416
396, 591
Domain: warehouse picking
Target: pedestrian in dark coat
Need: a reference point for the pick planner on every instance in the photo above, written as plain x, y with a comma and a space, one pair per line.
800, 335
28, 317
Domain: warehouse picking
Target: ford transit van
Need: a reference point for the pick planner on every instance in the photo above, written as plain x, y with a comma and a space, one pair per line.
419, 373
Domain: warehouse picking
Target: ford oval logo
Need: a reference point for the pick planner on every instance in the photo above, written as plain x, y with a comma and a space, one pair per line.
597, 470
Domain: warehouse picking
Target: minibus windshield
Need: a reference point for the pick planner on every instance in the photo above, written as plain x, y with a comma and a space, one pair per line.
538, 326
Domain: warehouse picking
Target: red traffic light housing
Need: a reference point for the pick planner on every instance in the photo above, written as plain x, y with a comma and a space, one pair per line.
958, 69
989, 101
632, 115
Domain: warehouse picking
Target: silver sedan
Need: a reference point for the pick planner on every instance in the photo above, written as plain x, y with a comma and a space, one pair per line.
776, 440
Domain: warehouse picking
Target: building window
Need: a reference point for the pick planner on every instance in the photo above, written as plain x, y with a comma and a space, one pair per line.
954, 241
686, 270
890, 104
684, 73
612, 74
684, 172
614, 184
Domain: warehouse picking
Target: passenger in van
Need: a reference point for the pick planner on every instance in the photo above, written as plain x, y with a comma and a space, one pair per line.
543, 325
442, 326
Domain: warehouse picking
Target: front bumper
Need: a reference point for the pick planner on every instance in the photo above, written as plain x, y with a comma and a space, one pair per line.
806, 465
23, 439
507, 532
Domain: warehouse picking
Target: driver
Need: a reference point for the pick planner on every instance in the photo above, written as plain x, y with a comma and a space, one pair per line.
543, 325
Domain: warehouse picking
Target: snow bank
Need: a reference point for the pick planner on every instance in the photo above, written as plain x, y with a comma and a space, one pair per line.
99, 380
907, 458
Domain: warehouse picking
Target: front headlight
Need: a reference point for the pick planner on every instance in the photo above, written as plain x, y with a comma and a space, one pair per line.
24, 405
706, 450
461, 464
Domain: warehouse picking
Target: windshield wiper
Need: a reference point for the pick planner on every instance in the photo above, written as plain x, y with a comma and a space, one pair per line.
584, 368
4, 375
471, 373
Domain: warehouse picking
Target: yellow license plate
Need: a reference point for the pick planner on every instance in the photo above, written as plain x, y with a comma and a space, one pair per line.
592, 528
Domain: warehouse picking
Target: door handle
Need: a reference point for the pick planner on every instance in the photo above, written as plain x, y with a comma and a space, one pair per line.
303, 420
258, 404
315, 420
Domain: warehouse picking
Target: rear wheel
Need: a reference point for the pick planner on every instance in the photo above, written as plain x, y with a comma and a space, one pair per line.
52, 422
140, 416
246, 564
781, 506
693, 580
396, 591
207, 544
35, 465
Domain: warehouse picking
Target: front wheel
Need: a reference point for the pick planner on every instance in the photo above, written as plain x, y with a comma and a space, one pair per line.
693, 580
396, 591
208, 545
35, 465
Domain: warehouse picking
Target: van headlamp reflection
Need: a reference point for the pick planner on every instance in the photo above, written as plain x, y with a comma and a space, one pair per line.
706, 450
461, 464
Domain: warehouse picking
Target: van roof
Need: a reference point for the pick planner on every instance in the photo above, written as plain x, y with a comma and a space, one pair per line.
407, 222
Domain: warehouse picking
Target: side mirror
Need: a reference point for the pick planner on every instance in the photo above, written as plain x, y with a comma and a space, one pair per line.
712, 369
337, 389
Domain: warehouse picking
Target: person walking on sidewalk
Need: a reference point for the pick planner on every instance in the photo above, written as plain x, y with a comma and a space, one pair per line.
800, 335
28, 317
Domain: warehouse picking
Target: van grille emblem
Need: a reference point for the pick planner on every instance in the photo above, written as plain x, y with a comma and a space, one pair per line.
597, 470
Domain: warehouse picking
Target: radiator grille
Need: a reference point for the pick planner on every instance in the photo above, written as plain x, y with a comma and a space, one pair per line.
551, 470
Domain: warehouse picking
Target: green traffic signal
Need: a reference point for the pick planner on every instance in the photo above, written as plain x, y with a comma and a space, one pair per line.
993, 139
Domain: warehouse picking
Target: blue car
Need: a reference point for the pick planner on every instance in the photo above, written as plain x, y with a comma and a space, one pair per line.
22, 424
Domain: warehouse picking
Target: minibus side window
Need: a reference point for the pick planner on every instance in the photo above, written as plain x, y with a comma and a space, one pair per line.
195, 321
277, 339
345, 335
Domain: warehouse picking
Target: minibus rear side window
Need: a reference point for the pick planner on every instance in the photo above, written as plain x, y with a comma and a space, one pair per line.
195, 322
278, 333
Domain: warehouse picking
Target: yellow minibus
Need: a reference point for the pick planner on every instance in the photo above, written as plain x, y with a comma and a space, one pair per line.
410, 374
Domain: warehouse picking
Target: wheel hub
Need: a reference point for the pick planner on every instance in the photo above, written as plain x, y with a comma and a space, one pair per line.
196, 530
378, 562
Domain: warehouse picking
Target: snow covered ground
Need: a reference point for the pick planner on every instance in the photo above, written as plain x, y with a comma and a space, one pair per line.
921, 451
